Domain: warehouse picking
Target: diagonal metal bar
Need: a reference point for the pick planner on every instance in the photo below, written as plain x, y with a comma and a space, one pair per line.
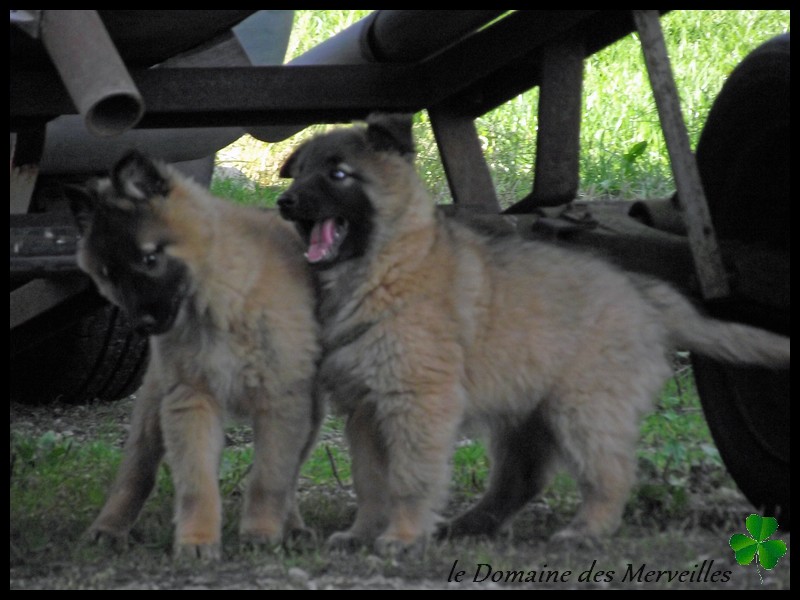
700, 230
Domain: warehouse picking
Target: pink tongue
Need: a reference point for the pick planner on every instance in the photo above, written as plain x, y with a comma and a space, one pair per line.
322, 237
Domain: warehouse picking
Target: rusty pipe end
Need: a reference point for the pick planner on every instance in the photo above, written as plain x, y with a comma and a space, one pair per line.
114, 113
92, 70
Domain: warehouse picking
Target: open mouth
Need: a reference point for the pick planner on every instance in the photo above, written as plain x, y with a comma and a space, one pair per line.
325, 240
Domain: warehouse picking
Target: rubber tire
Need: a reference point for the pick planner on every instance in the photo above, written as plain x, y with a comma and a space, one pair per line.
743, 157
98, 357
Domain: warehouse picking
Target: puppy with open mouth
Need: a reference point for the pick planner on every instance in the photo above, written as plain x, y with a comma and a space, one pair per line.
428, 325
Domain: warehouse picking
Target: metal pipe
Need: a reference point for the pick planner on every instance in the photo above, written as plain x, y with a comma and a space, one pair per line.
261, 39
413, 35
398, 36
69, 148
92, 70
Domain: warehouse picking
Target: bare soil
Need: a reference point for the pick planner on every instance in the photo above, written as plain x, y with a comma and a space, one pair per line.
650, 551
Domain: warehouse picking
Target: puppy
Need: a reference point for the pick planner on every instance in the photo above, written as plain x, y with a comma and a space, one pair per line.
428, 325
226, 298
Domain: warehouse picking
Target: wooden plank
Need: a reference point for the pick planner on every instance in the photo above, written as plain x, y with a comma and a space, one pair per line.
557, 172
557, 178
702, 239
460, 150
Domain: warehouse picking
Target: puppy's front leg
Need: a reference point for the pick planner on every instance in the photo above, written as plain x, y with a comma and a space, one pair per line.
284, 430
369, 468
420, 432
193, 435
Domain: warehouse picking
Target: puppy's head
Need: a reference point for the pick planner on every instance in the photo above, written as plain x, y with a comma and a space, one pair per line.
124, 242
345, 180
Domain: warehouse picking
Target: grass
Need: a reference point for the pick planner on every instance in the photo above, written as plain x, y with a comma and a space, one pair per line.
623, 154
59, 484
245, 193
681, 512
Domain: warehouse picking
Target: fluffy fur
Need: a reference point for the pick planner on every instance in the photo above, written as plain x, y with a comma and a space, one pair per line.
428, 325
227, 299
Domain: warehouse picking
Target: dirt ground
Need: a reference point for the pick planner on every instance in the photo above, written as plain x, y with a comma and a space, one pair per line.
649, 552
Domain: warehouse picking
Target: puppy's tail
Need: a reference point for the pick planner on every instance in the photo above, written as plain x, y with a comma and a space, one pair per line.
721, 340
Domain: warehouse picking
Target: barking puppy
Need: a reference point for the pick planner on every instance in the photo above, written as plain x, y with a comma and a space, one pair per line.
428, 325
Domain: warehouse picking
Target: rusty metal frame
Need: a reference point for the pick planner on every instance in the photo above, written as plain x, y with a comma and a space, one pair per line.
485, 69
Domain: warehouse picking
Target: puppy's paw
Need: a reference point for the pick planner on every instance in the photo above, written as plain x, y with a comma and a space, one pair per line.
444, 531
574, 537
261, 533
116, 541
392, 547
471, 524
344, 541
300, 539
197, 552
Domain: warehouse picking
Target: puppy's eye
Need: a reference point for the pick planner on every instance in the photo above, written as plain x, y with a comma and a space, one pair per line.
339, 175
150, 256
150, 260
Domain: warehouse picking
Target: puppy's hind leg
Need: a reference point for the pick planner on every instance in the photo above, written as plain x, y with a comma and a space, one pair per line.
521, 455
136, 477
599, 445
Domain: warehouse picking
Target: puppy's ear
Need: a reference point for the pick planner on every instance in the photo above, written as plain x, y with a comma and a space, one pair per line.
288, 166
390, 132
137, 177
83, 203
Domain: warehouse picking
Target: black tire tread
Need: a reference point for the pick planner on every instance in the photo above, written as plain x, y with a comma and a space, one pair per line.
99, 357
743, 158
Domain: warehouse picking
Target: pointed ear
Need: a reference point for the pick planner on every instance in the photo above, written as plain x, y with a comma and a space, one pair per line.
286, 169
288, 165
82, 203
390, 133
138, 177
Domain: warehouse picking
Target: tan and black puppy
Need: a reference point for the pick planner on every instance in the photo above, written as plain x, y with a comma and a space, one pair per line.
225, 295
428, 326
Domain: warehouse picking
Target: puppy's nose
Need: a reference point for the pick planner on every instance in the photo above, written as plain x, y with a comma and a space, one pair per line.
145, 324
286, 201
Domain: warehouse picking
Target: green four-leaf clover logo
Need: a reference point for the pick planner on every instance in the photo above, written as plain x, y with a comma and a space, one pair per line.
745, 548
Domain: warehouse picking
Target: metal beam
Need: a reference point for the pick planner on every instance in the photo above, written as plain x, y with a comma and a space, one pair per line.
481, 71
235, 96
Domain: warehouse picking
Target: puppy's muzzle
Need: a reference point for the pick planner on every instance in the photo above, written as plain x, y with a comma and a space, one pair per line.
287, 202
